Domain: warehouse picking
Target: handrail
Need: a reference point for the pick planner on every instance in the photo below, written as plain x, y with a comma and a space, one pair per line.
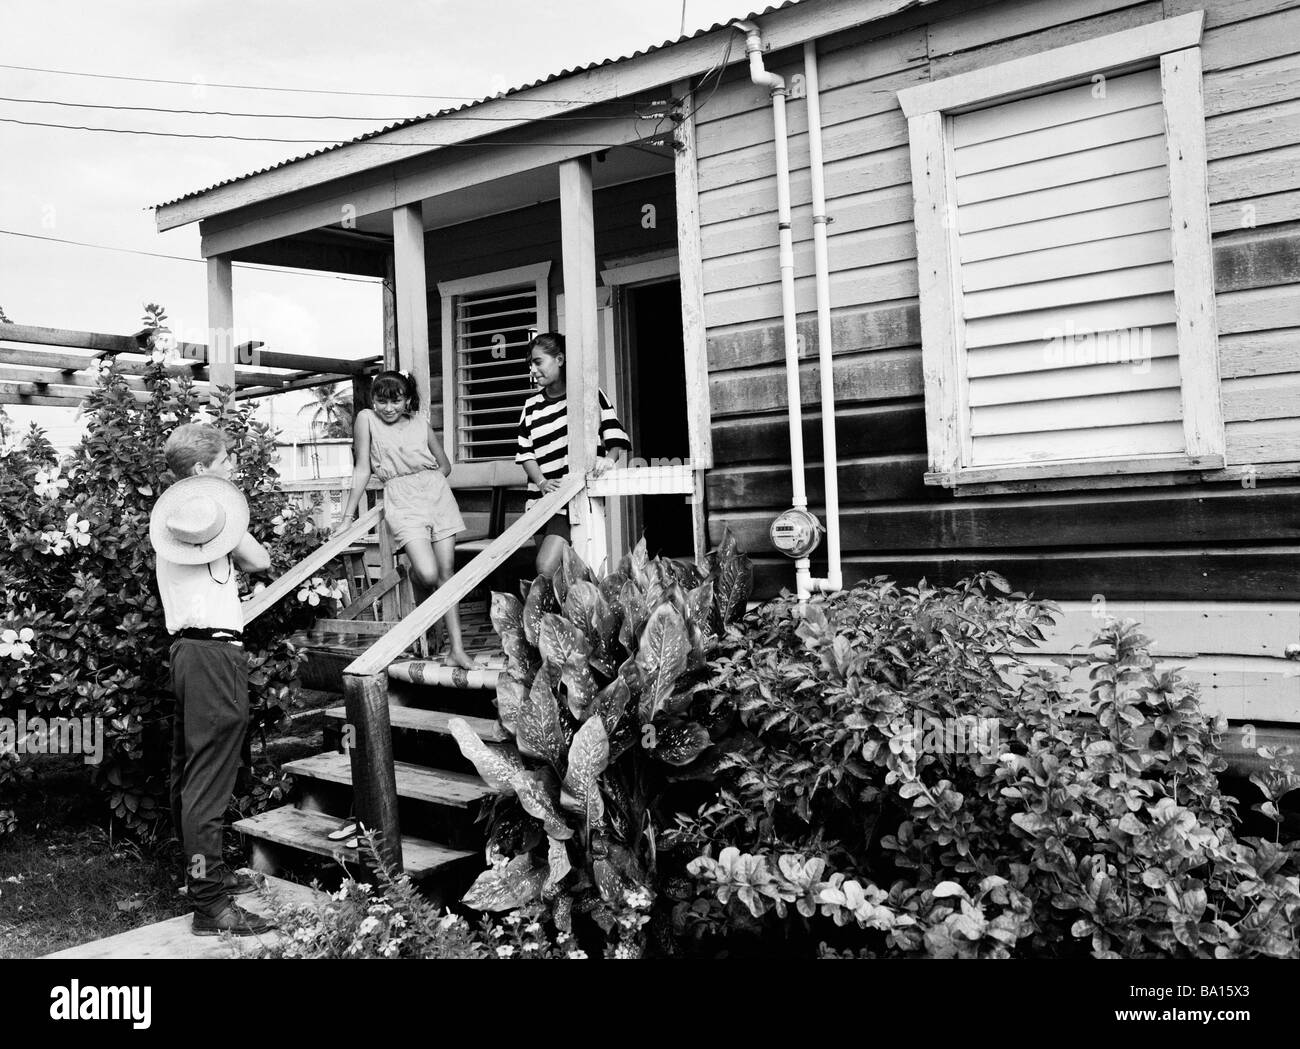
298, 574
376, 658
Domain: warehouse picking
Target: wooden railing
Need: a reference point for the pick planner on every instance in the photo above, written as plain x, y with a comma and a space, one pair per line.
365, 679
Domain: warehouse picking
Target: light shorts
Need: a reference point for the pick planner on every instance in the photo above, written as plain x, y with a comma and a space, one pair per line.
421, 505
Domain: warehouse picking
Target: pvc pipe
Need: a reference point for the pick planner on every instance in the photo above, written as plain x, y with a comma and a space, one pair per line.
830, 453
776, 84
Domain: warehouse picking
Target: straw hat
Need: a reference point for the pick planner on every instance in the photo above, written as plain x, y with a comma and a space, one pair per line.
198, 520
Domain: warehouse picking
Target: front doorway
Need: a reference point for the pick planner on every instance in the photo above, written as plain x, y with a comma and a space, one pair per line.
653, 386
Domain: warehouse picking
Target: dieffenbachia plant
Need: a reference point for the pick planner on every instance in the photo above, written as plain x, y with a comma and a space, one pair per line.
606, 700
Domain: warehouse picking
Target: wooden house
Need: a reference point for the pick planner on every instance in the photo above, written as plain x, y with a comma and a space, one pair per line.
1061, 251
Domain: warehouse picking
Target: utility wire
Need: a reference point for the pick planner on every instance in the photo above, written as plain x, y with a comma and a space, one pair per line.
292, 90
278, 116
297, 141
185, 258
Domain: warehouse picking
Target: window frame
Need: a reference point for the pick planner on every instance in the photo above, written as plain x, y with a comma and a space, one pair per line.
1175, 44
537, 274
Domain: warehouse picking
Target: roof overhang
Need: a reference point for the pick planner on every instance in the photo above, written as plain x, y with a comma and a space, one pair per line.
615, 81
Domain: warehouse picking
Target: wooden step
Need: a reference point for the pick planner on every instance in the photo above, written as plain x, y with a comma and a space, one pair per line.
490, 665
173, 939
308, 832
436, 786
417, 720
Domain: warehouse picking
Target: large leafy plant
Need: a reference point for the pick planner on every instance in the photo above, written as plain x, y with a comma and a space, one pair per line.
607, 702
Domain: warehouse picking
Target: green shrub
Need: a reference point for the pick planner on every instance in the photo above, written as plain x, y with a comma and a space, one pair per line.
603, 698
1084, 821
78, 591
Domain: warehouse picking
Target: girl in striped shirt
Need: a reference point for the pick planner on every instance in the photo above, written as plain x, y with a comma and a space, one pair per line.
544, 440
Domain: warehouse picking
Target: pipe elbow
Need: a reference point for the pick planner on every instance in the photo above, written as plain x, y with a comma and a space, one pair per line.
754, 49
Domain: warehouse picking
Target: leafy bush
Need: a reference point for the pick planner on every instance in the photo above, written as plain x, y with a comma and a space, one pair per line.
1084, 822
604, 698
78, 591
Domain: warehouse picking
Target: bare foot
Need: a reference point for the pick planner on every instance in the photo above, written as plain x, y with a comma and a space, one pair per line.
460, 657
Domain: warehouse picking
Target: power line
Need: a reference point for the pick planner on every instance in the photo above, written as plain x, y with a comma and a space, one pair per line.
184, 258
273, 116
293, 90
298, 141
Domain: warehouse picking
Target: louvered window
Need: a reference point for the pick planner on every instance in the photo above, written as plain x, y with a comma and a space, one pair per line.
1063, 244
487, 322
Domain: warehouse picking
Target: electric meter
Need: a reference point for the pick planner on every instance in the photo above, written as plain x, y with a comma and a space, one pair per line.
796, 533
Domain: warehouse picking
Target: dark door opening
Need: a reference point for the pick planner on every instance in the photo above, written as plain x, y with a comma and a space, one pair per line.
654, 322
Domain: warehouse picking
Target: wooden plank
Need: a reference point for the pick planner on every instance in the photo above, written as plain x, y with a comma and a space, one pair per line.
1259, 353
691, 277
1255, 175
886, 429
1079, 137
1242, 43
300, 572
221, 325
1104, 286
435, 786
418, 719
412, 301
1069, 169
872, 284
1258, 309
1248, 87
1262, 397
1065, 446
852, 330
370, 769
1123, 463
875, 479
1048, 417
1269, 441
1245, 574
1256, 260
1252, 132
389, 305
1198, 355
1225, 12
1124, 518
1016, 271
62, 395
1102, 224
1085, 382
966, 30
6, 397
360, 627
1176, 478
1127, 347
1072, 322
1046, 68
1127, 188
858, 378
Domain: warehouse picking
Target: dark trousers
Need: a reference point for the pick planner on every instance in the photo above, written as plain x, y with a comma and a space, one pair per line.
210, 682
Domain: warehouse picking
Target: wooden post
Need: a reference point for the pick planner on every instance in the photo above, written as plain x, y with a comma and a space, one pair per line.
390, 314
582, 337
412, 299
370, 747
221, 326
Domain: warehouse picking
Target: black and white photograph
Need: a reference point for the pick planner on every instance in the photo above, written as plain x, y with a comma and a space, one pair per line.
651, 480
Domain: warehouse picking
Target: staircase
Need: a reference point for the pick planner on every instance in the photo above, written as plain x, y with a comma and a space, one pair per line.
415, 786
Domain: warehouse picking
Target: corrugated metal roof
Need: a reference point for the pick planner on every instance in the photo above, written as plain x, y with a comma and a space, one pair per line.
470, 105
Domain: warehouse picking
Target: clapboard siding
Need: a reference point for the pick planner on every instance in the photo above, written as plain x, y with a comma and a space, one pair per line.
1104, 245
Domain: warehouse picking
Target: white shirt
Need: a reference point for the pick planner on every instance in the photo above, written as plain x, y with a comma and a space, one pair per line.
205, 596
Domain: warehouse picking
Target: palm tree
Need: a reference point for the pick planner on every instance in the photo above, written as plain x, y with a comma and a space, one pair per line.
331, 416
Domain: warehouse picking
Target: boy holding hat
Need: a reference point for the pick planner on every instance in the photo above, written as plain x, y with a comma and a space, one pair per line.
199, 531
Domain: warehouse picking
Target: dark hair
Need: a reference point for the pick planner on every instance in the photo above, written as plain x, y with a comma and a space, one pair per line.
395, 384
549, 342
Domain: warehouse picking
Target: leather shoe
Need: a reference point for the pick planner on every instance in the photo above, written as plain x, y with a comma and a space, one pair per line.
232, 919
236, 884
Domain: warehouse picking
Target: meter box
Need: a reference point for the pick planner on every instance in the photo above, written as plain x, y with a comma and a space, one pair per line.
796, 533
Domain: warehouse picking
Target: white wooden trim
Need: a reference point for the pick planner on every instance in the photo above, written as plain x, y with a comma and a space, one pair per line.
938, 273
1198, 338
221, 325
1074, 468
644, 480
412, 302
694, 335
530, 107
538, 274
582, 341
1056, 66
639, 272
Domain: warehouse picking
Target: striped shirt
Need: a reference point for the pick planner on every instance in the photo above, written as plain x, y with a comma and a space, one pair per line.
544, 433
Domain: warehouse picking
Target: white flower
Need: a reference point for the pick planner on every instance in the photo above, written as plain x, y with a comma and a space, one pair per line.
54, 543
316, 589
367, 926
397, 921
450, 922
14, 643
562, 938
505, 952
49, 484
513, 918
638, 900
624, 951
167, 417
77, 531
533, 929
393, 948
577, 954
530, 946
278, 526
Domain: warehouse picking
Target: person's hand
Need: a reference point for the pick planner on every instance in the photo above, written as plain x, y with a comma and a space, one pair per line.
602, 465
346, 517
549, 485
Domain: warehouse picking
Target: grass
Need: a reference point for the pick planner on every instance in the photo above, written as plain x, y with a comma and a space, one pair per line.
65, 880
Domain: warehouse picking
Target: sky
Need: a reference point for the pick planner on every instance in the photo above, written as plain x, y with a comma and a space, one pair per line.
99, 188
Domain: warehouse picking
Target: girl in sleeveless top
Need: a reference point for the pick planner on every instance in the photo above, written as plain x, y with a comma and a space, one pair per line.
419, 508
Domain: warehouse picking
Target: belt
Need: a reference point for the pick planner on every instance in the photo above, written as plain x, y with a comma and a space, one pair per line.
194, 633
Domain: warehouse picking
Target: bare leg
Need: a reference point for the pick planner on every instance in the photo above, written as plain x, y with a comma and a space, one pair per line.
425, 576
548, 557
444, 551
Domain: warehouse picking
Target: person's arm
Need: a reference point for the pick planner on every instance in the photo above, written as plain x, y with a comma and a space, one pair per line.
360, 465
435, 446
251, 556
612, 436
527, 458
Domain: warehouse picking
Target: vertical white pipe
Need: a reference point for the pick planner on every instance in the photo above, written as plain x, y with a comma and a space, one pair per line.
821, 262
